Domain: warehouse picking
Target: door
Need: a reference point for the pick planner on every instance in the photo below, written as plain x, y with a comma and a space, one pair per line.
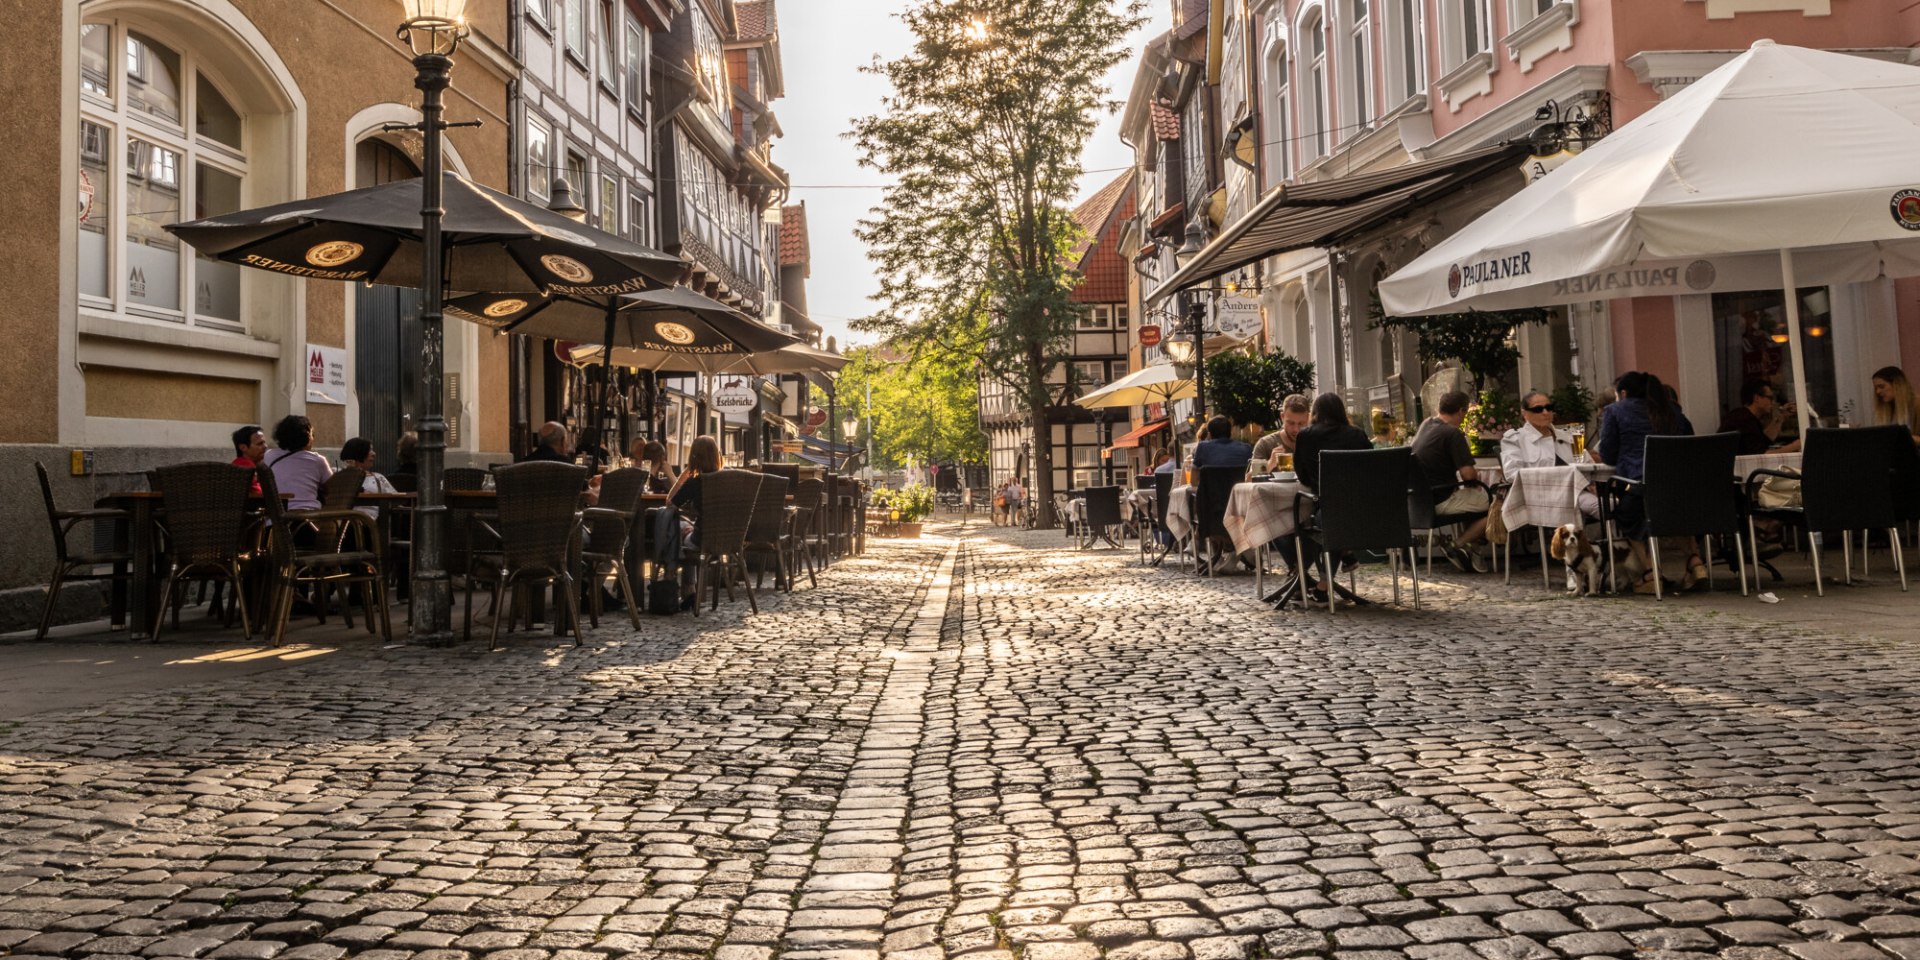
386, 329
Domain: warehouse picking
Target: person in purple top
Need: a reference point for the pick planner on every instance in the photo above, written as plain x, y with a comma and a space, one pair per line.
297, 470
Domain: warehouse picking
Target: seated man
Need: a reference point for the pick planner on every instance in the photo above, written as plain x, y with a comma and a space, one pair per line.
1219, 449
1534, 444
1446, 462
1758, 420
1295, 413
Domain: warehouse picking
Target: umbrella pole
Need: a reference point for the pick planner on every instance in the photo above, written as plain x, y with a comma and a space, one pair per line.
606, 390
1794, 350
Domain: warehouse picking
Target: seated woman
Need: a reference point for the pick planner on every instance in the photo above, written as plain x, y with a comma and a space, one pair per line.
1642, 408
651, 456
1534, 444
1329, 430
703, 457
1893, 401
297, 470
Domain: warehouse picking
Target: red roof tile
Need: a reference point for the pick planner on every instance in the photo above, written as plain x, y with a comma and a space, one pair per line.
755, 19
1166, 123
793, 236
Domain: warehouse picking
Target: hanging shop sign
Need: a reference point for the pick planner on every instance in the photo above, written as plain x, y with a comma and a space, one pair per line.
1150, 335
734, 395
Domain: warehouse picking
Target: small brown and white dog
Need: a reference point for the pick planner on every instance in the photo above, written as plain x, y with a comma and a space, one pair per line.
1571, 546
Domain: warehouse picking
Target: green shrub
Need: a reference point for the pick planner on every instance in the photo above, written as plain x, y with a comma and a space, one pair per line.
914, 501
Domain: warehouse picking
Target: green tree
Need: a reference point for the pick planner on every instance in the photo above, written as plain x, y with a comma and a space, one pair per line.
1480, 339
981, 137
921, 409
1248, 389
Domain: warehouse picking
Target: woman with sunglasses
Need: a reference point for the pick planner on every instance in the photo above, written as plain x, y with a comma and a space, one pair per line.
1534, 444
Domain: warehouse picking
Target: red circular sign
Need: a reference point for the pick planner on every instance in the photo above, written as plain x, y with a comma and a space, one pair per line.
816, 417
1150, 335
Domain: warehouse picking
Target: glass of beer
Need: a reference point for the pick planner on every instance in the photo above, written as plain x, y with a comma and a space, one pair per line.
1284, 462
1580, 444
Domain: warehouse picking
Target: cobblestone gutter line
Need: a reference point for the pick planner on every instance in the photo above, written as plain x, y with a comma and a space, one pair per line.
842, 905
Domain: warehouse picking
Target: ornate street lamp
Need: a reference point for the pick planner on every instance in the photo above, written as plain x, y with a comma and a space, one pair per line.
563, 202
433, 30
1193, 351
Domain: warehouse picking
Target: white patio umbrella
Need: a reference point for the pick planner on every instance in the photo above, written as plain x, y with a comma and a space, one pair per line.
1159, 383
1784, 166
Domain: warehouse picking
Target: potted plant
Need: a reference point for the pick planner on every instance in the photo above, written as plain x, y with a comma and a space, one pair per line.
1572, 403
1491, 415
907, 507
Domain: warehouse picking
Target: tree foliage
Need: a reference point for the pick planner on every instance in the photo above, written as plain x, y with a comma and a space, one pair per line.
981, 139
923, 410
1480, 339
1248, 389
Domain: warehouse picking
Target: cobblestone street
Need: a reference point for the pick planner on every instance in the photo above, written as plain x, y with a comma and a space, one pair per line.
996, 746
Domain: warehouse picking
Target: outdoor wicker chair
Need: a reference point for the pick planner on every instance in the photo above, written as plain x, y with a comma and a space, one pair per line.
805, 521
768, 531
727, 500
608, 528
465, 478
539, 529
327, 564
206, 521
70, 564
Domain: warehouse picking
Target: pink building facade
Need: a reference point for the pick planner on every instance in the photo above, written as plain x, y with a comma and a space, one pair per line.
1319, 90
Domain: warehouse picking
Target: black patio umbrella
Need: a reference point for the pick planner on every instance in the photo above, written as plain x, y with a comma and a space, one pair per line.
493, 242
670, 330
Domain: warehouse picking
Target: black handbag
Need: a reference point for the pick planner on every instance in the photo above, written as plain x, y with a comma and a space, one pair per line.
663, 597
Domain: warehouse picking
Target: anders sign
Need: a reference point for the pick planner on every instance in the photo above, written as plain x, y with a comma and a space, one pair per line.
734, 395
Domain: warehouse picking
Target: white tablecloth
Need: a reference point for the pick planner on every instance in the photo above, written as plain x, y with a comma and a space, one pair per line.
1549, 496
1139, 500
1180, 511
1259, 512
1764, 461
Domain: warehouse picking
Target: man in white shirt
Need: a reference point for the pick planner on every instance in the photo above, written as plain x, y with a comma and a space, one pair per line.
1534, 444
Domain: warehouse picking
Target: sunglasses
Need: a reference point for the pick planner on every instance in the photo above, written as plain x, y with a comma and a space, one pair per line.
1543, 408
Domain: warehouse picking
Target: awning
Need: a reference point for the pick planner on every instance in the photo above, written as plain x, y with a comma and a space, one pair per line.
1296, 216
1133, 438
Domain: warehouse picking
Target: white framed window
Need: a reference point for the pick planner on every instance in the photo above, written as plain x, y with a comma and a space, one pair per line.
607, 39
539, 158
576, 30
1090, 374
639, 225
711, 61
1520, 12
636, 70
159, 143
541, 11
1468, 34
1314, 115
575, 171
609, 204
1097, 317
1357, 78
1404, 33
1277, 92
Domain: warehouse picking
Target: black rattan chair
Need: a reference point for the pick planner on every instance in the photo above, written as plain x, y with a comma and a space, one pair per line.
539, 524
802, 542
727, 500
1163, 495
1687, 492
608, 527
768, 532
1846, 483
206, 520
70, 564
1366, 501
1101, 517
1212, 488
327, 564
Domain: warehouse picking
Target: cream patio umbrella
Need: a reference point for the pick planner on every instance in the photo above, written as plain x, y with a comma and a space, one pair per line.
1785, 166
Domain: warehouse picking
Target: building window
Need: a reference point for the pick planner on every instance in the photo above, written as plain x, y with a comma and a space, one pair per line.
1523, 11
1471, 40
710, 60
539, 158
1406, 59
1097, 317
637, 220
1358, 76
608, 40
542, 13
609, 204
180, 147
636, 70
1090, 374
576, 173
1314, 111
1278, 130
576, 27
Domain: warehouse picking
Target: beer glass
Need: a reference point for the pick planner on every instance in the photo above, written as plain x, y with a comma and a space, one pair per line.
1284, 464
1580, 444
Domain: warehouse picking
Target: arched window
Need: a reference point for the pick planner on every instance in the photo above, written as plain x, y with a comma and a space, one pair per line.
1404, 36
1278, 127
1357, 78
1314, 115
160, 142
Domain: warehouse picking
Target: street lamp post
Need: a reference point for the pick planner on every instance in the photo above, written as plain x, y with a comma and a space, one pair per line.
438, 26
1193, 352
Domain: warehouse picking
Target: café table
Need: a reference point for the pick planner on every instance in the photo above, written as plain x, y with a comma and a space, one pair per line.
1256, 514
1548, 498
1743, 467
1180, 511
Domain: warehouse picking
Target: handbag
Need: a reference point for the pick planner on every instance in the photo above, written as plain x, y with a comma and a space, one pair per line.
1777, 492
663, 597
1496, 521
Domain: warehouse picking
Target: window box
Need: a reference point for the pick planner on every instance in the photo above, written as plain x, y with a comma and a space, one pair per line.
1470, 79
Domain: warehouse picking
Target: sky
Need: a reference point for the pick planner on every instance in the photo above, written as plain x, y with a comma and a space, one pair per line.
823, 45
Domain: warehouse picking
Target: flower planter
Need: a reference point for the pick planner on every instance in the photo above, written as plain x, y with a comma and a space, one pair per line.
909, 529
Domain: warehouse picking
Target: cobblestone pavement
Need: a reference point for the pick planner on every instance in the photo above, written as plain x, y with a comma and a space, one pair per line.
994, 748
